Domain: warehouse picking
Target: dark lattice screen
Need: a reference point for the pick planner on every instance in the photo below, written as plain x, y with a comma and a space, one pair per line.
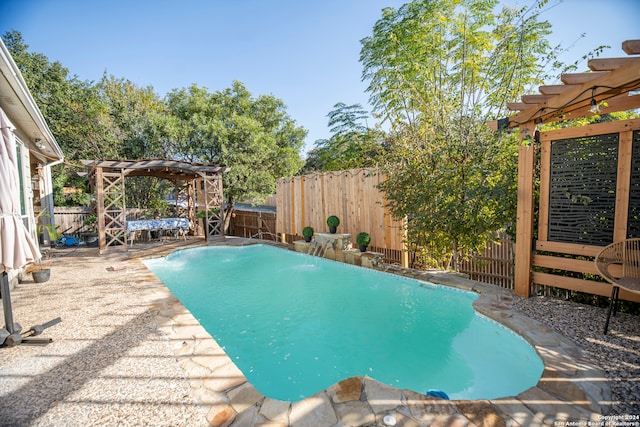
583, 189
633, 227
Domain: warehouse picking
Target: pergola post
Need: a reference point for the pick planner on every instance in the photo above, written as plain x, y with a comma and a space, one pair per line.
214, 206
191, 204
113, 207
99, 192
182, 193
525, 211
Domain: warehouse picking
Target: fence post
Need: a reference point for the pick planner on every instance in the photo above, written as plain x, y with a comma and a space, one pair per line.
525, 212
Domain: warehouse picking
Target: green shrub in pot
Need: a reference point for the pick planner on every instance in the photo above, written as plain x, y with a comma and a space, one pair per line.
363, 239
307, 233
333, 222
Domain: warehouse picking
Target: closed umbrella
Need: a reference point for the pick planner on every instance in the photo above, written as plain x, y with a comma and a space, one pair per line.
17, 248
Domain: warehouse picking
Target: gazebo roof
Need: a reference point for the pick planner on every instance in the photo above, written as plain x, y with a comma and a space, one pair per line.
168, 169
612, 80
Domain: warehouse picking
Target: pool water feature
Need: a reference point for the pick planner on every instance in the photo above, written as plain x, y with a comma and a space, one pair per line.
296, 324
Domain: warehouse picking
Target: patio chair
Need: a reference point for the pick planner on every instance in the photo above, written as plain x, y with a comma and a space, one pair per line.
619, 264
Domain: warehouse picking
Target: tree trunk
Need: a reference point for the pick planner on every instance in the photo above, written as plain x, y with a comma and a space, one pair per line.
455, 255
228, 214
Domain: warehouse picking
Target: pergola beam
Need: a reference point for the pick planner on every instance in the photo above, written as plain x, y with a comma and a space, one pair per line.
618, 81
580, 78
610, 78
610, 64
631, 47
554, 89
534, 99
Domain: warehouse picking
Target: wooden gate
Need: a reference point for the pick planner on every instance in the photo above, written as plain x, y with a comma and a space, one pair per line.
254, 224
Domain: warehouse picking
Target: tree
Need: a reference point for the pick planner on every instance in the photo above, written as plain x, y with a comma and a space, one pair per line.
437, 71
352, 143
74, 110
142, 124
116, 119
254, 137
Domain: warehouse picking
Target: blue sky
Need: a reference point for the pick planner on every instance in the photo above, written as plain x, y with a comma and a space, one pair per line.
304, 52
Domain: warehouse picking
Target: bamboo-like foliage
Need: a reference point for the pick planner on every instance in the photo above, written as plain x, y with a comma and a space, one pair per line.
437, 72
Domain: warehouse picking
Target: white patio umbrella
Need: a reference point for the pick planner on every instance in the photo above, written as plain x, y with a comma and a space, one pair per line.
17, 248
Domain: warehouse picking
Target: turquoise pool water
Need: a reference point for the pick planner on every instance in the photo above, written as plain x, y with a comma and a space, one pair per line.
296, 324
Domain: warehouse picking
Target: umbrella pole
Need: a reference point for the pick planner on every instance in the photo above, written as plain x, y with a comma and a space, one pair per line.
6, 304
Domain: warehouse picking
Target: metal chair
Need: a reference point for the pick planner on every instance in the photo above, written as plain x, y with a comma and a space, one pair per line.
619, 264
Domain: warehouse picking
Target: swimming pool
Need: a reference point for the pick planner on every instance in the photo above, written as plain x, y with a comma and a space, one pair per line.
296, 324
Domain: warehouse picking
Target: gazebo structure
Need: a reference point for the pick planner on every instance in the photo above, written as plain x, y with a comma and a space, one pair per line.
589, 176
107, 178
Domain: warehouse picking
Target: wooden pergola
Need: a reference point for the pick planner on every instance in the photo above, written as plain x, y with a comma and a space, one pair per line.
107, 179
589, 176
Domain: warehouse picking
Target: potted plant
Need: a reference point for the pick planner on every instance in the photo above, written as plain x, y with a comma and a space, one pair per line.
54, 234
307, 233
91, 225
202, 215
39, 227
333, 222
40, 270
363, 239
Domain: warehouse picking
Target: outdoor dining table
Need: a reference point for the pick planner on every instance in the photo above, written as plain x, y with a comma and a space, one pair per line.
161, 225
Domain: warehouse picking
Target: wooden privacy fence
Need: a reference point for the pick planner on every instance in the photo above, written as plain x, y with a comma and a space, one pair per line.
254, 224
70, 219
351, 195
495, 265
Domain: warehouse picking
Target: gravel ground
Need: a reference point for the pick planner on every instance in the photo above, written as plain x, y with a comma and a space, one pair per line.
108, 364
617, 353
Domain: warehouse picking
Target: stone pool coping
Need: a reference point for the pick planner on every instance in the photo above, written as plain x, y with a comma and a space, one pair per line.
570, 389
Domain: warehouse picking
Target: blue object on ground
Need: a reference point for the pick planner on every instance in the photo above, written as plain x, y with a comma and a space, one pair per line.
437, 393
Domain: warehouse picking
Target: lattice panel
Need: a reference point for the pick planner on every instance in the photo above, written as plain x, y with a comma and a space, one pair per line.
114, 209
633, 225
182, 199
213, 205
582, 192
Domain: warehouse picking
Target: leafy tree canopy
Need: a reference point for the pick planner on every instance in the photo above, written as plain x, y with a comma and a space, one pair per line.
255, 137
116, 119
78, 117
437, 71
352, 143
